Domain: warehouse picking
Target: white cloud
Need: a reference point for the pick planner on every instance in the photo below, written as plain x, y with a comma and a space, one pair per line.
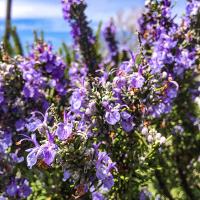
32, 9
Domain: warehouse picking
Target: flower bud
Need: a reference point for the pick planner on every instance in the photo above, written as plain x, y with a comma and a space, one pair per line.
158, 136
162, 140
150, 138
144, 131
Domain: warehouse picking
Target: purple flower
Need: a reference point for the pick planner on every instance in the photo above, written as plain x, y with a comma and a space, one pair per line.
108, 182
91, 109
24, 190
5, 141
104, 162
161, 108
127, 121
29, 91
137, 80
97, 196
110, 37
101, 172
19, 125
145, 195
64, 130
74, 13
15, 157
125, 115
119, 82
66, 176
192, 7
34, 122
128, 125
3, 198
1, 96
172, 89
178, 129
42, 70
126, 67
112, 116
46, 152
33, 155
77, 99
11, 189
104, 166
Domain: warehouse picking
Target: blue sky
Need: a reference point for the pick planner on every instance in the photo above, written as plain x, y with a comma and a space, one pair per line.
46, 15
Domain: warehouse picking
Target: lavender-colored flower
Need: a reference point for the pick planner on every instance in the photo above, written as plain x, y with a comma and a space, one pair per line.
161, 108
73, 12
33, 155
11, 189
112, 116
119, 82
24, 190
127, 121
91, 109
3, 197
172, 89
15, 157
20, 125
128, 125
145, 195
104, 165
64, 129
104, 77
35, 123
192, 7
49, 74
101, 172
97, 196
46, 152
110, 37
108, 182
137, 80
178, 129
1, 96
5, 141
77, 99
126, 67
125, 115
66, 175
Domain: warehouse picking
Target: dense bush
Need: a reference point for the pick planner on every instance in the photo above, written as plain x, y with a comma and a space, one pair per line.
82, 124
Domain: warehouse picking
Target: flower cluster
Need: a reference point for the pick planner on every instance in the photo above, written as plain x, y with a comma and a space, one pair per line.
21, 92
57, 148
168, 45
172, 48
42, 70
110, 37
7, 92
73, 12
17, 188
106, 134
